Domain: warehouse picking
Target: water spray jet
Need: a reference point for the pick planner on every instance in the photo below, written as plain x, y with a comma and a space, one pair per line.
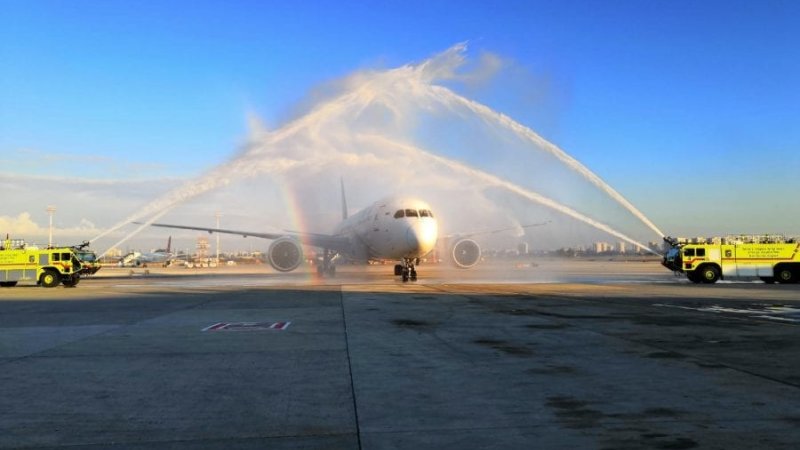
511, 187
521, 130
323, 139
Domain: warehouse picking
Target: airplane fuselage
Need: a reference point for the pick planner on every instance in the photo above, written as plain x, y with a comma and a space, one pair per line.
394, 228
399, 228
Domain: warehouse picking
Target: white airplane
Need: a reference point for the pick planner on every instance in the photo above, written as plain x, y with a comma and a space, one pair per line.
137, 259
397, 228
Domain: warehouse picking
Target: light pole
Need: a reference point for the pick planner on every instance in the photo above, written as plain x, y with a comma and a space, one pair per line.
50, 210
217, 215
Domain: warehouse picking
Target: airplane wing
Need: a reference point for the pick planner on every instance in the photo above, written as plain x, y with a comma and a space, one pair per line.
466, 253
336, 243
495, 231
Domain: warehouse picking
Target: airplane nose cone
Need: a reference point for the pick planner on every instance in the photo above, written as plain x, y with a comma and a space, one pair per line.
421, 238
411, 238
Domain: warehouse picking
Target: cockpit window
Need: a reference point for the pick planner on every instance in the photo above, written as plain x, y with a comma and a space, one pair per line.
400, 213
426, 213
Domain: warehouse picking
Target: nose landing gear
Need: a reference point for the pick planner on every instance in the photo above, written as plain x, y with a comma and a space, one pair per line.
327, 267
407, 269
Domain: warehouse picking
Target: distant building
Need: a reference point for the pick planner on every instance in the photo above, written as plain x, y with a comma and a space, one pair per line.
602, 247
202, 247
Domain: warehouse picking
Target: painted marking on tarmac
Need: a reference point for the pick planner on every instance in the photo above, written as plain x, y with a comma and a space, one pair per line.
247, 326
778, 313
214, 327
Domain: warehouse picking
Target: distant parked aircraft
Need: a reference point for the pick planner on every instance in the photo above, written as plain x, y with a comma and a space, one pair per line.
137, 259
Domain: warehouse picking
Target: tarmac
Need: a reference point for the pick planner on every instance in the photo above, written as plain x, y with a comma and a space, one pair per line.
546, 354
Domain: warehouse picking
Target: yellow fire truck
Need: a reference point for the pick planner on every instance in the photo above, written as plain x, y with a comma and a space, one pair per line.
46, 267
770, 258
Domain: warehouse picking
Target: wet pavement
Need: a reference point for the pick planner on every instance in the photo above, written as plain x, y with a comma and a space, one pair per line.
607, 357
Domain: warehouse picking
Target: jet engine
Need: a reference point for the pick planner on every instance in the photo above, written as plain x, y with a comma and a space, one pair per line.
285, 254
465, 253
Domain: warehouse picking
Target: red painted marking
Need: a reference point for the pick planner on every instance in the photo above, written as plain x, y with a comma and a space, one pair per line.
280, 325
692, 261
216, 326
247, 326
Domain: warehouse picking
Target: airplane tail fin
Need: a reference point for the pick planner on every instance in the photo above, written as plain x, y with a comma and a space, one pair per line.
169, 245
344, 201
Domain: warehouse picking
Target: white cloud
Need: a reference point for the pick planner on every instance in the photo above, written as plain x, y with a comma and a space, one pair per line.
22, 226
84, 206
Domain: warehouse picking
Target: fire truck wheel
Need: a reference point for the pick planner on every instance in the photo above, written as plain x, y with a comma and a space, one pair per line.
71, 281
8, 284
768, 280
709, 274
786, 274
50, 278
694, 277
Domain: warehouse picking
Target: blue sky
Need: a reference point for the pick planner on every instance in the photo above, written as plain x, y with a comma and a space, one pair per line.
694, 103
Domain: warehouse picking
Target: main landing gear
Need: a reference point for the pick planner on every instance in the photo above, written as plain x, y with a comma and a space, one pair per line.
327, 267
406, 269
